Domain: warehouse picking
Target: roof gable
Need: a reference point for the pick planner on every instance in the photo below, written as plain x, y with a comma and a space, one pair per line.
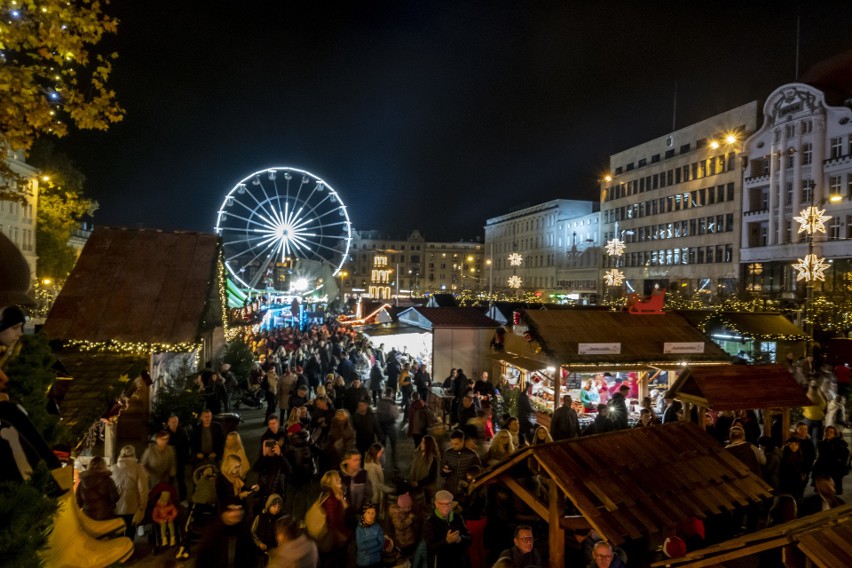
139, 286
430, 318
740, 387
614, 479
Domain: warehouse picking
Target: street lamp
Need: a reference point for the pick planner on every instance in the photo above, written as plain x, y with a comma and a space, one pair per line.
812, 268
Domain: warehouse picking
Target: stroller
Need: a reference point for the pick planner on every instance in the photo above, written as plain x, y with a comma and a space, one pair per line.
159, 539
203, 509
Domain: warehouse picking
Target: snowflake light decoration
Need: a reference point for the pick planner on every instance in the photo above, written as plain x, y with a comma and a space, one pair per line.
515, 282
811, 268
515, 259
614, 277
615, 247
812, 220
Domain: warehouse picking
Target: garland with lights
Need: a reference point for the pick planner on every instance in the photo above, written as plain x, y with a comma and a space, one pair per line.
132, 347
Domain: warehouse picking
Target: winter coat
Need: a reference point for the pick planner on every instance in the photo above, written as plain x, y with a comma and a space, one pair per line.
285, 389
301, 457
403, 526
164, 513
297, 553
565, 424
219, 539
366, 430
369, 542
357, 489
132, 484
97, 494
216, 434
376, 378
441, 553
387, 411
376, 475
263, 526
160, 465
272, 473
459, 462
418, 421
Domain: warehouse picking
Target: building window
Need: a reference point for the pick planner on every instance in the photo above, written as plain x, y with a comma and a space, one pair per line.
807, 153
834, 228
835, 183
807, 191
788, 194
836, 147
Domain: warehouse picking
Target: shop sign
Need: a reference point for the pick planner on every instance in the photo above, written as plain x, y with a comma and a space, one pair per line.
684, 347
599, 348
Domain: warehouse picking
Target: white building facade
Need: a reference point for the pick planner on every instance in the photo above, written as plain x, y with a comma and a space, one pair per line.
800, 156
18, 219
557, 243
675, 202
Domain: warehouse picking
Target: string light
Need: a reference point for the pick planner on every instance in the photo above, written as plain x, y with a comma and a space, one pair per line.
812, 220
132, 347
614, 277
515, 259
514, 281
615, 247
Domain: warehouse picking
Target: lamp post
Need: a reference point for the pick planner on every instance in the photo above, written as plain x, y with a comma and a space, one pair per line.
812, 268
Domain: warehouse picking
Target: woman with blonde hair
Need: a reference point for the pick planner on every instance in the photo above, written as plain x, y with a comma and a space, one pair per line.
501, 446
541, 436
229, 481
234, 446
333, 502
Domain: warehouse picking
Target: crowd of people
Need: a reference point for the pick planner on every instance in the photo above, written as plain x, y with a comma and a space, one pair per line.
319, 493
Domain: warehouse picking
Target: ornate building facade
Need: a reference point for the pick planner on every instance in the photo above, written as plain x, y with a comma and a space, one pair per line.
801, 156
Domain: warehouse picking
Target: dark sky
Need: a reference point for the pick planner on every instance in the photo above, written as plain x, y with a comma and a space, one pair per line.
428, 115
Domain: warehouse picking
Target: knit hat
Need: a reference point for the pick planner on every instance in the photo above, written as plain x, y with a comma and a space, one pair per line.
674, 547
11, 316
404, 501
444, 496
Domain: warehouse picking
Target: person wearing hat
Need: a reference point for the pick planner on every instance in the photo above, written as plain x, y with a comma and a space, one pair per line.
12, 321
132, 484
401, 526
445, 534
263, 526
228, 541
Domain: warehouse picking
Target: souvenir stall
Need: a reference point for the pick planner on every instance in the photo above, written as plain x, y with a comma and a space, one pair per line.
644, 351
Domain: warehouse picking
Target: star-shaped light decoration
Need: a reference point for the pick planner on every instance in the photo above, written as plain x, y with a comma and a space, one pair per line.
615, 247
614, 277
515, 259
812, 220
811, 268
514, 282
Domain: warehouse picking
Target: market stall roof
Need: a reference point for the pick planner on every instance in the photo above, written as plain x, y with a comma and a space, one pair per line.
442, 301
518, 361
614, 480
759, 325
89, 389
430, 318
613, 339
739, 387
137, 285
824, 537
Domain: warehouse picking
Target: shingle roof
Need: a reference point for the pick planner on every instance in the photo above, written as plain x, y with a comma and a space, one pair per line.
134, 285
761, 325
740, 387
642, 337
633, 483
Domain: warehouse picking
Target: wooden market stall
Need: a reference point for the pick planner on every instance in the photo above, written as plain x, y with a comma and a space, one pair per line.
740, 387
613, 481
823, 540
554, 343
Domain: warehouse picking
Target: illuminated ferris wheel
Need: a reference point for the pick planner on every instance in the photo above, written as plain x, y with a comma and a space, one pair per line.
283, 229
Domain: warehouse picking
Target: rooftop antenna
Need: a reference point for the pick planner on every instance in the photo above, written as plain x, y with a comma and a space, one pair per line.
674, 108
798, 40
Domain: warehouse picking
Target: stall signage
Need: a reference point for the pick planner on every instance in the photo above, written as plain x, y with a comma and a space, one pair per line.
684, 347
599, 348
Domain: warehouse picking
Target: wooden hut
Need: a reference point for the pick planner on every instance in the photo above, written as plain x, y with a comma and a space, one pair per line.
613, 481
741, 387
823, 540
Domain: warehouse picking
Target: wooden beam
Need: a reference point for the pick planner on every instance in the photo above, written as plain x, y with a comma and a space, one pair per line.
527, 498
575, 523
767, 423
785, 424
721, 558
556, 536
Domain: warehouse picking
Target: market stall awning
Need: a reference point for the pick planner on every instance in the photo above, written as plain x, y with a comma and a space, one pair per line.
757, 325
739, 387
616, 480
604, 340
825, 538
519, 362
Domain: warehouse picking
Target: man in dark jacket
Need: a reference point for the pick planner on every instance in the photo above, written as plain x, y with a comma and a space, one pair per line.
180, 442
354, 394
523, 554
458, 460
445, 534
565, 423
366, 426
208, 439
228, 541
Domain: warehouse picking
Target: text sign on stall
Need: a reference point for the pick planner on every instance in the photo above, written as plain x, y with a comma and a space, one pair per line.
599, 348
684, 347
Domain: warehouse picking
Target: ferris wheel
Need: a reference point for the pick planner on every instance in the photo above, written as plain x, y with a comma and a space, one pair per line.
283, 229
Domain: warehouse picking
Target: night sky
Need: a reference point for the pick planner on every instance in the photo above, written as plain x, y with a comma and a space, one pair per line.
424, 115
